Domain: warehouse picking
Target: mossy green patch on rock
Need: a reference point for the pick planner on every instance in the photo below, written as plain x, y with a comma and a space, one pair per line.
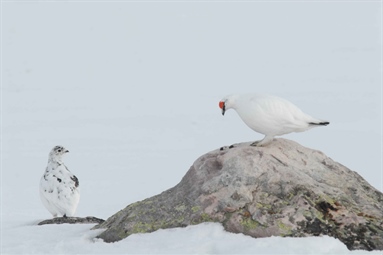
206, 217
285, 229
180, 208
328, 199
141, 227
313, 214
262, 206
195, 209
201, 218
249, 224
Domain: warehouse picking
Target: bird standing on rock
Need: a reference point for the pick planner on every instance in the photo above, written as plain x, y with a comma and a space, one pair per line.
59, 188
269, 115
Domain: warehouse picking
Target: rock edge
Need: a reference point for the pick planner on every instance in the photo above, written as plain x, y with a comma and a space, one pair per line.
72, 220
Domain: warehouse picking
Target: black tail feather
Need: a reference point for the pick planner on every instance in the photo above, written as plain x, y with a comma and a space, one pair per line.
324, 123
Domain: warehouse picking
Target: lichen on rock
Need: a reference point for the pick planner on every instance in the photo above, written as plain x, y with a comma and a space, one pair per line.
283, 189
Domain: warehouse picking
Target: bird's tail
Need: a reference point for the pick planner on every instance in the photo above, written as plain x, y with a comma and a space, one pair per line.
321, 123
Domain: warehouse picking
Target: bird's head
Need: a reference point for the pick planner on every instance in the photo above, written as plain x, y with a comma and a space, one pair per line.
57, 152
222, 105
226, 103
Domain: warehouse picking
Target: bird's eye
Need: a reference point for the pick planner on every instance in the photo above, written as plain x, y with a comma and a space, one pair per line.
59, 150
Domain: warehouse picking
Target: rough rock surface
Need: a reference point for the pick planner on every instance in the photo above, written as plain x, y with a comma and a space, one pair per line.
283, 189
72, 220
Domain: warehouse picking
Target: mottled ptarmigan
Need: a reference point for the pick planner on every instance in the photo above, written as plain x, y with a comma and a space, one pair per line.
59, 188
269, 115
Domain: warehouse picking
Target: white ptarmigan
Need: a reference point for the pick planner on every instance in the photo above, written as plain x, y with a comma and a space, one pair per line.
59, 188
269, 115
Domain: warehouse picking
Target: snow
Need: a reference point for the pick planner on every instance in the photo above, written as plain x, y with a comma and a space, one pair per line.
131, 89
207, 238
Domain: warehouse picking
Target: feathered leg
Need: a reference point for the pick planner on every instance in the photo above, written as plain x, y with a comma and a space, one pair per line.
265, 141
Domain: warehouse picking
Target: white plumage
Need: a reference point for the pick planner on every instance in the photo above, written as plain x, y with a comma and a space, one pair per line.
269, 115
59, 188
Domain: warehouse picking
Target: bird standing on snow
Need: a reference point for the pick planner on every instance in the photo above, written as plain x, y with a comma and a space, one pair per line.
269, 115
59, 188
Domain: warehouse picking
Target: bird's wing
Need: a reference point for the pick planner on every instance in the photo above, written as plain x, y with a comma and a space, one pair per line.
279, 112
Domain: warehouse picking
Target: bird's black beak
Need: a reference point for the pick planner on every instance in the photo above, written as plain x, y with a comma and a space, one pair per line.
222, 106
66, 151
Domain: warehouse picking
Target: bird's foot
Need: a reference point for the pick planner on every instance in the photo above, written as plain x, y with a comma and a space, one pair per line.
265, 141
256, 144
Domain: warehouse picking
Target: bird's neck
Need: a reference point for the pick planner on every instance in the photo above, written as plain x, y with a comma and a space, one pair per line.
57, 161
232, 102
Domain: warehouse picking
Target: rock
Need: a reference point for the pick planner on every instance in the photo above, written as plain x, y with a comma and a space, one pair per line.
72, 220
283, 189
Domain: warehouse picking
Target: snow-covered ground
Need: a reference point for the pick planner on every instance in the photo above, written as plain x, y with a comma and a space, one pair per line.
132, 90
